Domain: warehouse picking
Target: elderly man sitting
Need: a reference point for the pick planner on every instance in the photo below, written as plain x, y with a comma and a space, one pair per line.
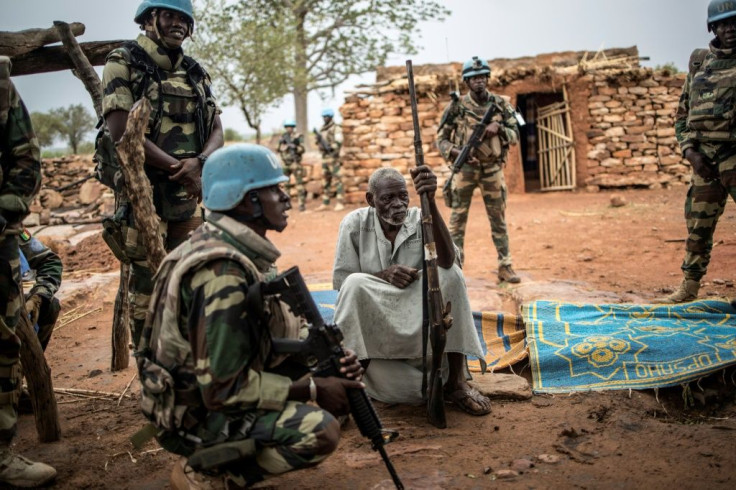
378, 268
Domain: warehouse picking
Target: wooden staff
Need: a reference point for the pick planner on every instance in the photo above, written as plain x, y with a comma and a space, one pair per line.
437, 317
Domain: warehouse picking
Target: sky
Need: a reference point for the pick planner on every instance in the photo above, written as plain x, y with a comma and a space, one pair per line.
664, 30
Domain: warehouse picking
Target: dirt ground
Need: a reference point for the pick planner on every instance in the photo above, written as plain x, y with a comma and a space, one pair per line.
588, 440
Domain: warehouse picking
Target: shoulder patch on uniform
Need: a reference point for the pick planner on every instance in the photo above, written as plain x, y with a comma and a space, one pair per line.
696, 60
25, 235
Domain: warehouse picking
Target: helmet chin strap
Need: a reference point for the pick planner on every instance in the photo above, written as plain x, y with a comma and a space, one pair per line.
257, 215
154, 28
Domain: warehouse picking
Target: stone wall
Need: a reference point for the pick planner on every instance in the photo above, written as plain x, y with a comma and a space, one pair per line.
631, 141
623, 126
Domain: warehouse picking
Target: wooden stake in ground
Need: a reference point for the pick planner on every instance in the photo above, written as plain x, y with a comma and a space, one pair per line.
132, 158
38, 376
82, 67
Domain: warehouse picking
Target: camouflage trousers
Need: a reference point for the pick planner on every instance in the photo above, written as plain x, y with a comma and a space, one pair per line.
299, 436
11, 302
297, 170
489, 178
140, 280
331, 180
704, 205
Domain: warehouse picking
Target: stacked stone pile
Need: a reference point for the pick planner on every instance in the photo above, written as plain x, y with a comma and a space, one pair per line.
69, 193
631, 139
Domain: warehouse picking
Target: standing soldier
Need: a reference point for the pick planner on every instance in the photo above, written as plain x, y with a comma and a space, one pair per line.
485, 168
291, 148
184, 129
706, 131
20, 177
329, 140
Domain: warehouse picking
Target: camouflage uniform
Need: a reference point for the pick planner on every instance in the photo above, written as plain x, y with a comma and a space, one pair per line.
172, 127
19, 182
331, 180
48, 268
227, 387
454, 131
705, 122
293, 164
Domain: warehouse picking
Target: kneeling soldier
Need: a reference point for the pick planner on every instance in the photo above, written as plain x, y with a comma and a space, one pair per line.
211, 382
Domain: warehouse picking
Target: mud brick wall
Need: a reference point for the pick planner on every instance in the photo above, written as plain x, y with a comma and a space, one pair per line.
631, 141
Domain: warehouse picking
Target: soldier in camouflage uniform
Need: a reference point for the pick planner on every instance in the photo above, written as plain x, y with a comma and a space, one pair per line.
184, 129
46, 269
485, 168
20, 178
231, 389
291, 148
705, 126
331, 134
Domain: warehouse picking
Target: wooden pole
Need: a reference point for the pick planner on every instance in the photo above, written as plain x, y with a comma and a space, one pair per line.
56, 58
120, 328
132, 158
82, 67
21, 42
40, 386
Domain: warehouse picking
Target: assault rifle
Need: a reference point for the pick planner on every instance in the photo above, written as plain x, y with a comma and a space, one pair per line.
324, 350
436, 314
324, 147
290, 146
473, 142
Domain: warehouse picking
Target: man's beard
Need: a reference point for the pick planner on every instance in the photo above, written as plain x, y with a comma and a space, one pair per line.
389, 218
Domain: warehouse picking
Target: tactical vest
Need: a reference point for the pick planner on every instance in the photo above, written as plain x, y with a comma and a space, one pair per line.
490, 150
145, 72
712, 97
163, 351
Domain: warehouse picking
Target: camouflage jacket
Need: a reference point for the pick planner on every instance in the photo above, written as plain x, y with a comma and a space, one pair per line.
459, 118
288, 155
182, 118
20, 154
199, 328
332, 134
706, 116
44, 262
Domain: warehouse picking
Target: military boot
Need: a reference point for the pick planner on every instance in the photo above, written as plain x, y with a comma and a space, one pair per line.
506, 273
183, 477
17, 471
688, 291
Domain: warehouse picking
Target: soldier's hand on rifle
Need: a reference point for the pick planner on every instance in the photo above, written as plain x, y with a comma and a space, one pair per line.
471, 159
701, 164
350, 366
492, 129
188, 173
331, 394
399, 275
425, 181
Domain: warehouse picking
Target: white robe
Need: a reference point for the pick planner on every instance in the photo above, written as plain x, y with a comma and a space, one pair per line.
381, 321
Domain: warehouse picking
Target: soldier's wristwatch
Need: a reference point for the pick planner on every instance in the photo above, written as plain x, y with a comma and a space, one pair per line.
202, 158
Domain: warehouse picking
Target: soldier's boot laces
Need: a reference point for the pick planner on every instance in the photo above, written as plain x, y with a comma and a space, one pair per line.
688, 291
17, 471
506, 274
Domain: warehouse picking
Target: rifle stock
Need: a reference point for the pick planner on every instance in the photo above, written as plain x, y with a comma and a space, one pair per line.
321, 143
439, 314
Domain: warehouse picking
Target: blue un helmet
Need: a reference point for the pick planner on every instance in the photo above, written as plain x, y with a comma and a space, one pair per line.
328, 113
474, 67
183, 6
719, 10
290, 123
232, 171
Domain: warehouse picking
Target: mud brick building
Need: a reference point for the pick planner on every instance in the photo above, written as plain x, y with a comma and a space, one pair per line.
593, 121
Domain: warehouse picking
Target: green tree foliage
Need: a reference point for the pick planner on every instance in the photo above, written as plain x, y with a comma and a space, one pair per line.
313, 44
231, 135
670, 68
46, 127
74, 123
243, 49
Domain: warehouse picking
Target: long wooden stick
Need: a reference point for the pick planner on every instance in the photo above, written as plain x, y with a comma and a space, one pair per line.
82, 67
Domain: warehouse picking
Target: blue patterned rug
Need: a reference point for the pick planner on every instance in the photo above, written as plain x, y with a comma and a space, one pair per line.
579, 347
